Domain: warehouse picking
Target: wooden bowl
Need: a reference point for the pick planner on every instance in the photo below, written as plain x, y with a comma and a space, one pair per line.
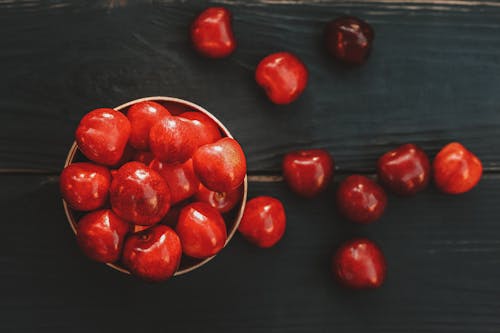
175, 106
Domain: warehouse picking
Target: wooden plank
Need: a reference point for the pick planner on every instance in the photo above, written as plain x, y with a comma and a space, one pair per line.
443, 255
432, 78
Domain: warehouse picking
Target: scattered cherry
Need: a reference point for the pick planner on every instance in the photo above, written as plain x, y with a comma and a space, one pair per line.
222, 201
212, 34
308, 172
456, 169
206, 128
282, 76
263, 222
360, 199
359, 264
405, 170
142, 117
180, 179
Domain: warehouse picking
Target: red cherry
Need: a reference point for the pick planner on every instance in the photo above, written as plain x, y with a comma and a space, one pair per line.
139, 194
222, 201
349, 39
207, 129
220, 166
456, 169
202, 230
85, 186
145, 157
102, 135
212, 34
359, 264
283, 77
142, 117
100, 235
180, 179
360, 199
308, 172
153, 254
405, 170
173, 214
263, 222
173, 139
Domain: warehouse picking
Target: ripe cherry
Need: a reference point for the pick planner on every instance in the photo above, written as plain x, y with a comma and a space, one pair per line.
206, 128
222, 201
142, 117
212, 34
180, 179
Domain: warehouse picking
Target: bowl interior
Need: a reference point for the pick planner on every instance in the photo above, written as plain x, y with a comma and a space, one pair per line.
175, 106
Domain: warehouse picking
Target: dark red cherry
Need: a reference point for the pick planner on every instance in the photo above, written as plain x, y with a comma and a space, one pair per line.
180, 179
207, 129
142, 117
212, 33
222, 201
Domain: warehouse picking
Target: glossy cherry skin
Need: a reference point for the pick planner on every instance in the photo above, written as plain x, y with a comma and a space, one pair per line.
212, 33
282, 76
263, 222
360, 199
359, 264
84, 186
207, 129
349, 39
145, 157
139, 194
173, 139
153, 254
202, 230
142, 117
102, 135
405, 170
220, 166
456, 169
222, 201
308, 172
180, 179
101, 234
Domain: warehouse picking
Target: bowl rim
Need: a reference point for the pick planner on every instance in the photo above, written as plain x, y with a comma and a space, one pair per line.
74, 148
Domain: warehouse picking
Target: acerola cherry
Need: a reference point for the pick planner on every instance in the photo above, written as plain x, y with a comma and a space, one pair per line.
263, 222
142, 117
153, 254
360, 199
220, 166
84, 186
139, 194
405, 170
100, 235
282, 76
308, 172
202, 230
173, 139
212, 34
145, 157
359, 264
180, 179
456, 169
222, 201
349, 39
102, 135
207, 129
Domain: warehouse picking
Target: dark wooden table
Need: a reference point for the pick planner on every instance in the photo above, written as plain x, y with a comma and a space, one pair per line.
433, 77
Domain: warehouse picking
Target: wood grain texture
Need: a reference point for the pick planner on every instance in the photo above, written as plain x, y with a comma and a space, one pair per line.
432, 78
443, 258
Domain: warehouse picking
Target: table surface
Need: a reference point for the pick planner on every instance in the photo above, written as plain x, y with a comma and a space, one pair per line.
432, 78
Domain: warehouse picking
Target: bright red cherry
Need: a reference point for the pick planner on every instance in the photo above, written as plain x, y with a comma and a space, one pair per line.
359, 264
100, 235
142, 117
139, 194
207, 129
84, 186
102, 135
405, 170
220, 166
263, 222
349, 39
153, 254
360, 199
308, 172
282, 76
180, 179
222, 201
173, 139
202, 230
456, 169
212, 34
145, 157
